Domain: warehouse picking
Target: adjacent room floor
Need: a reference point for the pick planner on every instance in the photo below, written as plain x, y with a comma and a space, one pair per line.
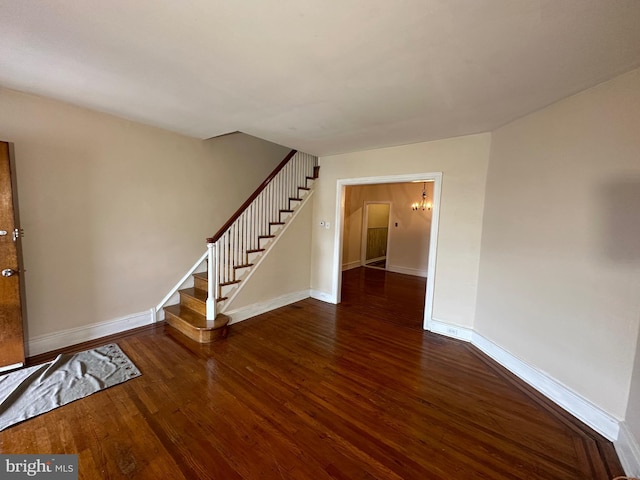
319, 391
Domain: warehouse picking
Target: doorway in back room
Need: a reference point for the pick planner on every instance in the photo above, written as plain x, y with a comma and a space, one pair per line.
375, 233
380, 224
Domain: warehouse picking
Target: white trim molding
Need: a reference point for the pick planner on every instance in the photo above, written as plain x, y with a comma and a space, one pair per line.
186, 281
351, 265
72, 336
6, 368
450, 330
628, 450
322, 296
436, 178
416, 272
243, 313
578, 406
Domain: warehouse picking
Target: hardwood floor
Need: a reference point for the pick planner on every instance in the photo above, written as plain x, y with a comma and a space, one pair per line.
386, 296
318, 391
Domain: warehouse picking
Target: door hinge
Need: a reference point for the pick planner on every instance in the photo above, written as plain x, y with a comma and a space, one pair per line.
17, 233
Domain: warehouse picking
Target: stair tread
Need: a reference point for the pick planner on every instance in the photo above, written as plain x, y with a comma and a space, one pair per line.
295, 199
276, 223
266, 236
246, 265
286, 211
255, 250
304, 188
196, 293
195, 320
231, 282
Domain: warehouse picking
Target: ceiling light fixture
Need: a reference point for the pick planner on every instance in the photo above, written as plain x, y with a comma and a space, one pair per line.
423, 204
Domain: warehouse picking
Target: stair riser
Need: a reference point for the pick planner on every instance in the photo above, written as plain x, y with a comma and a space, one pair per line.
263, 242
253, 257
228, 288
200, 283
200, 336
274, 229
193, 303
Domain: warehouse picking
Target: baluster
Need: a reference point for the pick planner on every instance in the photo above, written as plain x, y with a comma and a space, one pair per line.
211, 274
232, 263
227, 275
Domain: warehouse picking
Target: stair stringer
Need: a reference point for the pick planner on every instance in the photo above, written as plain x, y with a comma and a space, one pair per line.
268, 247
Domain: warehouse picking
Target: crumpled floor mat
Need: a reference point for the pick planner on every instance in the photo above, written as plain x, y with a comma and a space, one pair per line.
35, 390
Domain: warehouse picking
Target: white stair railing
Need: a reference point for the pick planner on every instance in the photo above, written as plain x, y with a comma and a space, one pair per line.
266, 209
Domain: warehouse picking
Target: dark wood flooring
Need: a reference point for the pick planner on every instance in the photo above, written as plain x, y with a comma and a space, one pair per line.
385, 296
319, 391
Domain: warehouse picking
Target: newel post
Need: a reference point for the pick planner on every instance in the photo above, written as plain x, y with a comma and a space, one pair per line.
211, 287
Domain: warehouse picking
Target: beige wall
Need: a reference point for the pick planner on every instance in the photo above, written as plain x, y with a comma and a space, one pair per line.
115, 212
559, 277
408, 249
632, 417
378, 215
463, 161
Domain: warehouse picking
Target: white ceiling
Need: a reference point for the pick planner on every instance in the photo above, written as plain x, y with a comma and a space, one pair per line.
323, 76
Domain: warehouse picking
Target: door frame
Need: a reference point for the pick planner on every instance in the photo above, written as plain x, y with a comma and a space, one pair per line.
436, 178
365, 221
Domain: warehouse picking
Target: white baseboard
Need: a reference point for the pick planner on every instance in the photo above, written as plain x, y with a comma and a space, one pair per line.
449, 330
350, 265
322, 296
563, 396
249, 311
374, 260
72, 336
628, 449
416, 272
572, 402
6, 368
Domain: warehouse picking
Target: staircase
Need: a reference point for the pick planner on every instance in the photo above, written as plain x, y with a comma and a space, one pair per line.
238, 248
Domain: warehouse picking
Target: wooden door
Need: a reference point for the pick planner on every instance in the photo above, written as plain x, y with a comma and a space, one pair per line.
11, 326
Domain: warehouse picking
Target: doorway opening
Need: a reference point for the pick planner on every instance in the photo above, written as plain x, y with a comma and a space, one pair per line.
430, 249
375, 234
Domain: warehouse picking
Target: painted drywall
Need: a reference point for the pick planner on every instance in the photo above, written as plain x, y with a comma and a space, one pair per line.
408, 249
632, 417
463, 162
559, 276
378, 215
115, 212
286, 268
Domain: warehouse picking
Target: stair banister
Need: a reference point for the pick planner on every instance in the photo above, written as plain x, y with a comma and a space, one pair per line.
212, 242
250, 200
235, 252
229, 250
211, 278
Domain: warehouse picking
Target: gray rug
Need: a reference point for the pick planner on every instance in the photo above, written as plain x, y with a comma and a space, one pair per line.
36, 390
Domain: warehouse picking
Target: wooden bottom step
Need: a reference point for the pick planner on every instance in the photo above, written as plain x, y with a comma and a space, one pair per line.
196, 326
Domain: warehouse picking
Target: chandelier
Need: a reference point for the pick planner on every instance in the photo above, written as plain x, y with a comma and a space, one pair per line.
423, 204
